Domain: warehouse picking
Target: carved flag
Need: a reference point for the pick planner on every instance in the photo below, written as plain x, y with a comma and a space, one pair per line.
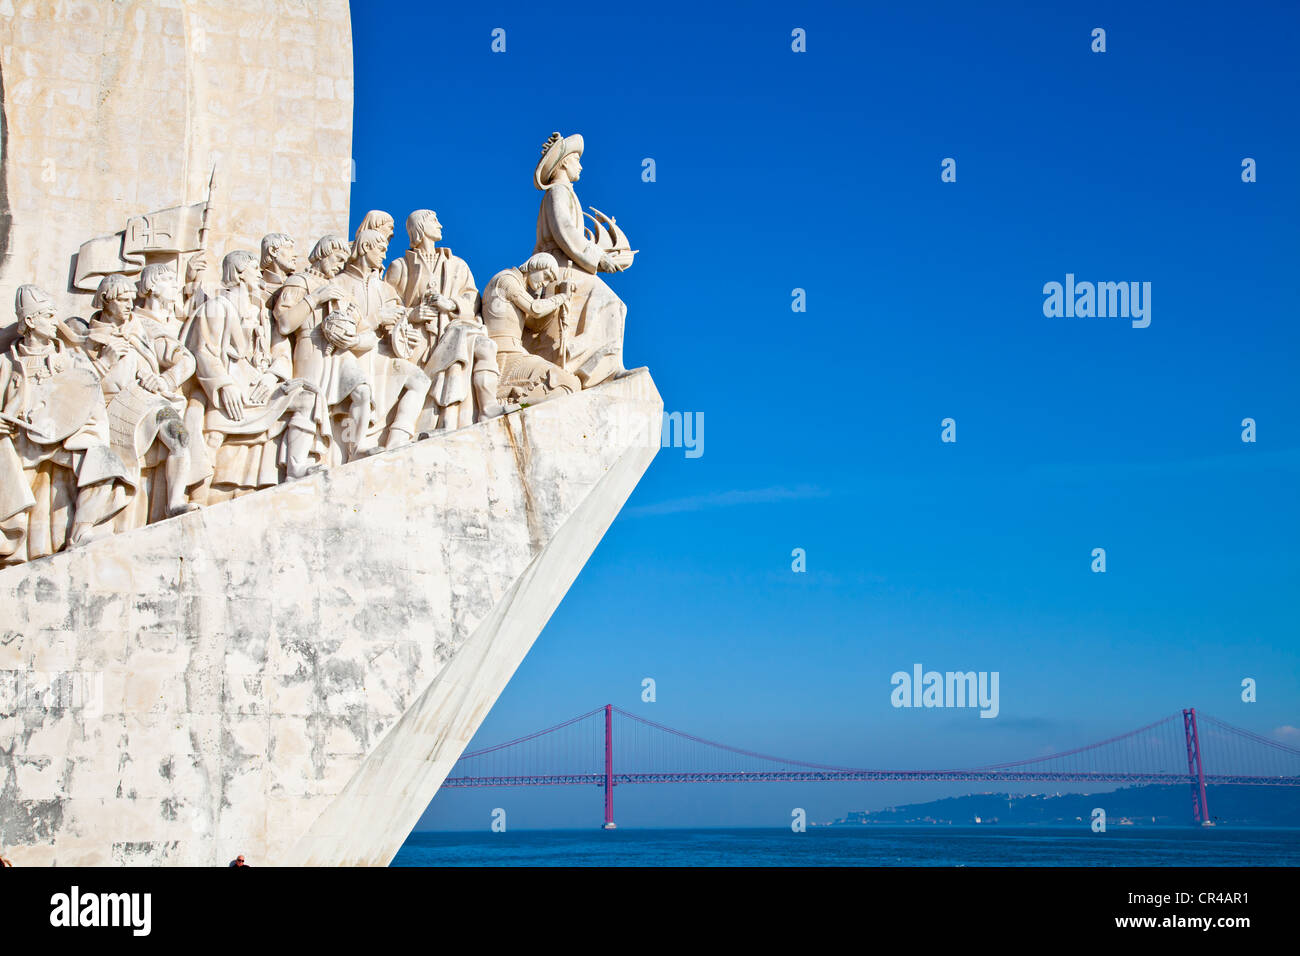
157, 234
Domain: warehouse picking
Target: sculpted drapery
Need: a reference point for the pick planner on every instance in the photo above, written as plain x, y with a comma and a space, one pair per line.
141, 368
593, 347
174, 396
245, 371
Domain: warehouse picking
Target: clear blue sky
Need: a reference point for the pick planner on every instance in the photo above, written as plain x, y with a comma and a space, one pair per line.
821, 170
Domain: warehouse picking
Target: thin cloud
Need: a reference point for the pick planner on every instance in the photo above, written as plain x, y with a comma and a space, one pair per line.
728, 499
1288, 734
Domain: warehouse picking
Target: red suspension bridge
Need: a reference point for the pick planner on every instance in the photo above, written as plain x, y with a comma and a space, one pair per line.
580, 751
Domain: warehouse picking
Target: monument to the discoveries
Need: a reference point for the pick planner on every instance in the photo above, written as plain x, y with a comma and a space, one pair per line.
278, 519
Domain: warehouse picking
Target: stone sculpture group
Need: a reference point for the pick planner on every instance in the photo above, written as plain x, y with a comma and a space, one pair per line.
174, 396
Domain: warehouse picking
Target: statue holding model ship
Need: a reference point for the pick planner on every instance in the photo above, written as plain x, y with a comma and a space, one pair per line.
203, 394
272, 666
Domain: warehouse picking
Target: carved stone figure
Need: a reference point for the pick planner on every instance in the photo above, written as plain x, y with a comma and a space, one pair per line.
594, 352
245, 368
431, 282
373, 312
196, 290
57, 471
378, 221
332, 365
158, 297
297, 367
521, 319
463, 367
141, 371
279, 261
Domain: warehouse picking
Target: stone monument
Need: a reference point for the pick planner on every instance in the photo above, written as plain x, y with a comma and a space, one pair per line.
271, 546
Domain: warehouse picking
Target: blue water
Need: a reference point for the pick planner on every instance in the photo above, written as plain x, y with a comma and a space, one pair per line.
858, 846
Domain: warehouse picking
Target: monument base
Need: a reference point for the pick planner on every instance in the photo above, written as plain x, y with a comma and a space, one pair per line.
292, 674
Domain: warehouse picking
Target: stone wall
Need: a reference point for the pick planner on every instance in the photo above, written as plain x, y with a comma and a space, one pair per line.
114, 108
291, 675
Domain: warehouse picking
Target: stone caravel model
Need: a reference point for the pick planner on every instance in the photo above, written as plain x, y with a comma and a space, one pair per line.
213, 393
339, 528
274, 533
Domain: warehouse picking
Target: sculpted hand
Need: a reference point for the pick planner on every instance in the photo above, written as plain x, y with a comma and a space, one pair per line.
118, 347
261, 392
607, 264
154, 383
325, 293
413, 338
231, 403
197, 266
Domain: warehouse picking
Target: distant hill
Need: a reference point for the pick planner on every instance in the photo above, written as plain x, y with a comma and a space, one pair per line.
1155, 805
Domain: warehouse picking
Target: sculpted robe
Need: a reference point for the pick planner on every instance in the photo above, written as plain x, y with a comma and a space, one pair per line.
243, 351
514, 319
272, 281
169, 322
336, 372
463, 346
595, 350
40, 479
135, 414
389, 373
414, 275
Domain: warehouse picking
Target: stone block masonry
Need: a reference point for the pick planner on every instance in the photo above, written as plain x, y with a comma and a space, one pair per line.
291, 675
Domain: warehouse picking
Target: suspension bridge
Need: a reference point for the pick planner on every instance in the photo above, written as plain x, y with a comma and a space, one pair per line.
580, 752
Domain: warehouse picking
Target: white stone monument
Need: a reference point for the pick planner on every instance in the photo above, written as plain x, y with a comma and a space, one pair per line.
249, 604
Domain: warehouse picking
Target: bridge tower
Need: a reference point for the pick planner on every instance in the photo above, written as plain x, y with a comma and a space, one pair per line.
609, 767
1195, 769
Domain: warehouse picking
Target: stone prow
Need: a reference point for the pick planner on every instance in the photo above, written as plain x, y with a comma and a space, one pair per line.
292, 674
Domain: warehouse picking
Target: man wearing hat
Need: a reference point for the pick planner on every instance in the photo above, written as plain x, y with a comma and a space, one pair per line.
595, 349
54, 439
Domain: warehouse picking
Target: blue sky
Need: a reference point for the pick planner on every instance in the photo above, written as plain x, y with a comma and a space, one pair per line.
778, 170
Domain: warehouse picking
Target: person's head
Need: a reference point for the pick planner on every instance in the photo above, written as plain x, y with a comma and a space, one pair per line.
35, 311
560, 160
329, 255
421, 225
369, 249
379, 221
240, 268
278, 250
539, 271
158, 281
572, 165
115, 297
239, 860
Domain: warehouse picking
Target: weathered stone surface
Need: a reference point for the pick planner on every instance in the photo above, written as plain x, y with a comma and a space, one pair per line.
290, 675
114, 109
